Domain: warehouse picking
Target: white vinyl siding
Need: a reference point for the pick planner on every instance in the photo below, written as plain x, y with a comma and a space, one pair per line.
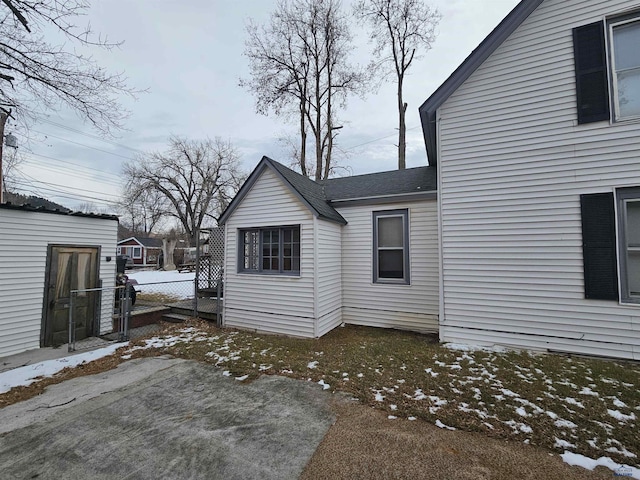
513, 163
410, 307
270, 303
329, 286
23, 257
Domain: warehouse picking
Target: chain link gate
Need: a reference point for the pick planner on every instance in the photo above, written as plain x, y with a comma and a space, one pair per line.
209, 288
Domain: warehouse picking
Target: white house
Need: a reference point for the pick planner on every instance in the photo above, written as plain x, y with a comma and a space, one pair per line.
43, 255
302, 257
536, 139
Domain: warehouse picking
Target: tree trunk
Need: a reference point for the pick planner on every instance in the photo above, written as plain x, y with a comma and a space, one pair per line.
3, 120
303, 144
402, 129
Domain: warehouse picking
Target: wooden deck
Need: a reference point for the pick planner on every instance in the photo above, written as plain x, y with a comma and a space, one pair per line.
207, 307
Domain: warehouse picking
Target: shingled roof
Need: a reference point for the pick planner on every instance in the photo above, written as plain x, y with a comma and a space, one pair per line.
383, 184
319, 196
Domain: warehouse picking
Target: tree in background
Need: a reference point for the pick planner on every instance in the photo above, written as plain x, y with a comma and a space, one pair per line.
399, 29
35, 73
196, 179
299, 65
142, 210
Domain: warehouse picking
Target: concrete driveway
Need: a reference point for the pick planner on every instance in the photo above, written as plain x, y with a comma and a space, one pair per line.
164, 418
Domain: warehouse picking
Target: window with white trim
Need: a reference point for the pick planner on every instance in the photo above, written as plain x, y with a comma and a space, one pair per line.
629, 244
607, 67
273, 250
137, 252
391, 246
625, 67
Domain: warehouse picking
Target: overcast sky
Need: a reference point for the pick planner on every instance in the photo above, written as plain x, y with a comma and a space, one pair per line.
188, 54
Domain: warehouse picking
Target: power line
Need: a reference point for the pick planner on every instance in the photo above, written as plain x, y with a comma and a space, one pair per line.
378, 139
67, 195
83, 145
83, 167
89, 135
74, 188
26, 176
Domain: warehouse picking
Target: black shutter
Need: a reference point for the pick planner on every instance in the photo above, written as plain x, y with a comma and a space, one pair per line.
592, 84
599, 246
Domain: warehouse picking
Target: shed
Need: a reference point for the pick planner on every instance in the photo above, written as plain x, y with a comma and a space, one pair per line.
43, 255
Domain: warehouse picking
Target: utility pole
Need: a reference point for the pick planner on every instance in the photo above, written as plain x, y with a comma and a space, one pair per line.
4, 115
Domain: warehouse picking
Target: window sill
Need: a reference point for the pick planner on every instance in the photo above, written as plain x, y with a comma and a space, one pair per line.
391, 282
267, 274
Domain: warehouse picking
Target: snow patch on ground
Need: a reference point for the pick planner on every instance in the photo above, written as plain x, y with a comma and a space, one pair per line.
28, 374
575, 459
618, 415
442, 425
312, 365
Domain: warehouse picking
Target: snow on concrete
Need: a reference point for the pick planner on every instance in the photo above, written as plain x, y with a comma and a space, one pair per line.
28, 374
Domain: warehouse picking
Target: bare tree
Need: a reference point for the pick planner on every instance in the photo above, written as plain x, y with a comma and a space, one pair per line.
299, 65
35, 73
399, 28
197, 179
143, 210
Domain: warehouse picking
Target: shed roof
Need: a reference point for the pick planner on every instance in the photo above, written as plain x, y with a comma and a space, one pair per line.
30, 208
318, 196
489, 45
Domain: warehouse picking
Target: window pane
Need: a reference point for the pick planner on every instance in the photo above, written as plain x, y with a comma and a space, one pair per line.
633, 247
286, 264
390, 232
287, 235
296, 264
629, 93
274, 264
391, 264
626, 39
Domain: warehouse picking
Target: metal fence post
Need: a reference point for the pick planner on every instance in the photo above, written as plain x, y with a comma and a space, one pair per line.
72, 327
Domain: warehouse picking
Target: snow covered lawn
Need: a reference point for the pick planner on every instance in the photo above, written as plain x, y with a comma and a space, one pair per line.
157, 285
583, 407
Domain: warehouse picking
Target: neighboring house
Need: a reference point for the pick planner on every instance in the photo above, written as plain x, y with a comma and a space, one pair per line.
45, 254
536, 139
144, 251
302, 257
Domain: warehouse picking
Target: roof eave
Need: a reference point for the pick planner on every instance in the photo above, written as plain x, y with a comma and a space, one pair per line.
489, 45
266, 162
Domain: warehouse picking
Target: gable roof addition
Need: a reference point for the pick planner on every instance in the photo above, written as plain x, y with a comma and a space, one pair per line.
489, 45
319, 196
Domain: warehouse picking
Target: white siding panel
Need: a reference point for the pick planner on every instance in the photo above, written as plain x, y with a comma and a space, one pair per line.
24, 238
513, 163
329, 288
411, 307
270, 303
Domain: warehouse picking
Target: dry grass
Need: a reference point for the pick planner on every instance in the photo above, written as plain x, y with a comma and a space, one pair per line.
556, 402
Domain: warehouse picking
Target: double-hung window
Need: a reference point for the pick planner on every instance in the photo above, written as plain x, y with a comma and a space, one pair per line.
391, 246
273, 250
629, 243
607, 63
625, 63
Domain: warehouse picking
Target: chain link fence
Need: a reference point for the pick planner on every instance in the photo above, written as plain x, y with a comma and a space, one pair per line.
99, 316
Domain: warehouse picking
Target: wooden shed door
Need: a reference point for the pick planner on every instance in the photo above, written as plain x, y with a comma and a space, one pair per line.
70, 268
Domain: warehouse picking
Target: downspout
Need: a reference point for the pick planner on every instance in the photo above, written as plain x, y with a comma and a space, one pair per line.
441, 309
315, 276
